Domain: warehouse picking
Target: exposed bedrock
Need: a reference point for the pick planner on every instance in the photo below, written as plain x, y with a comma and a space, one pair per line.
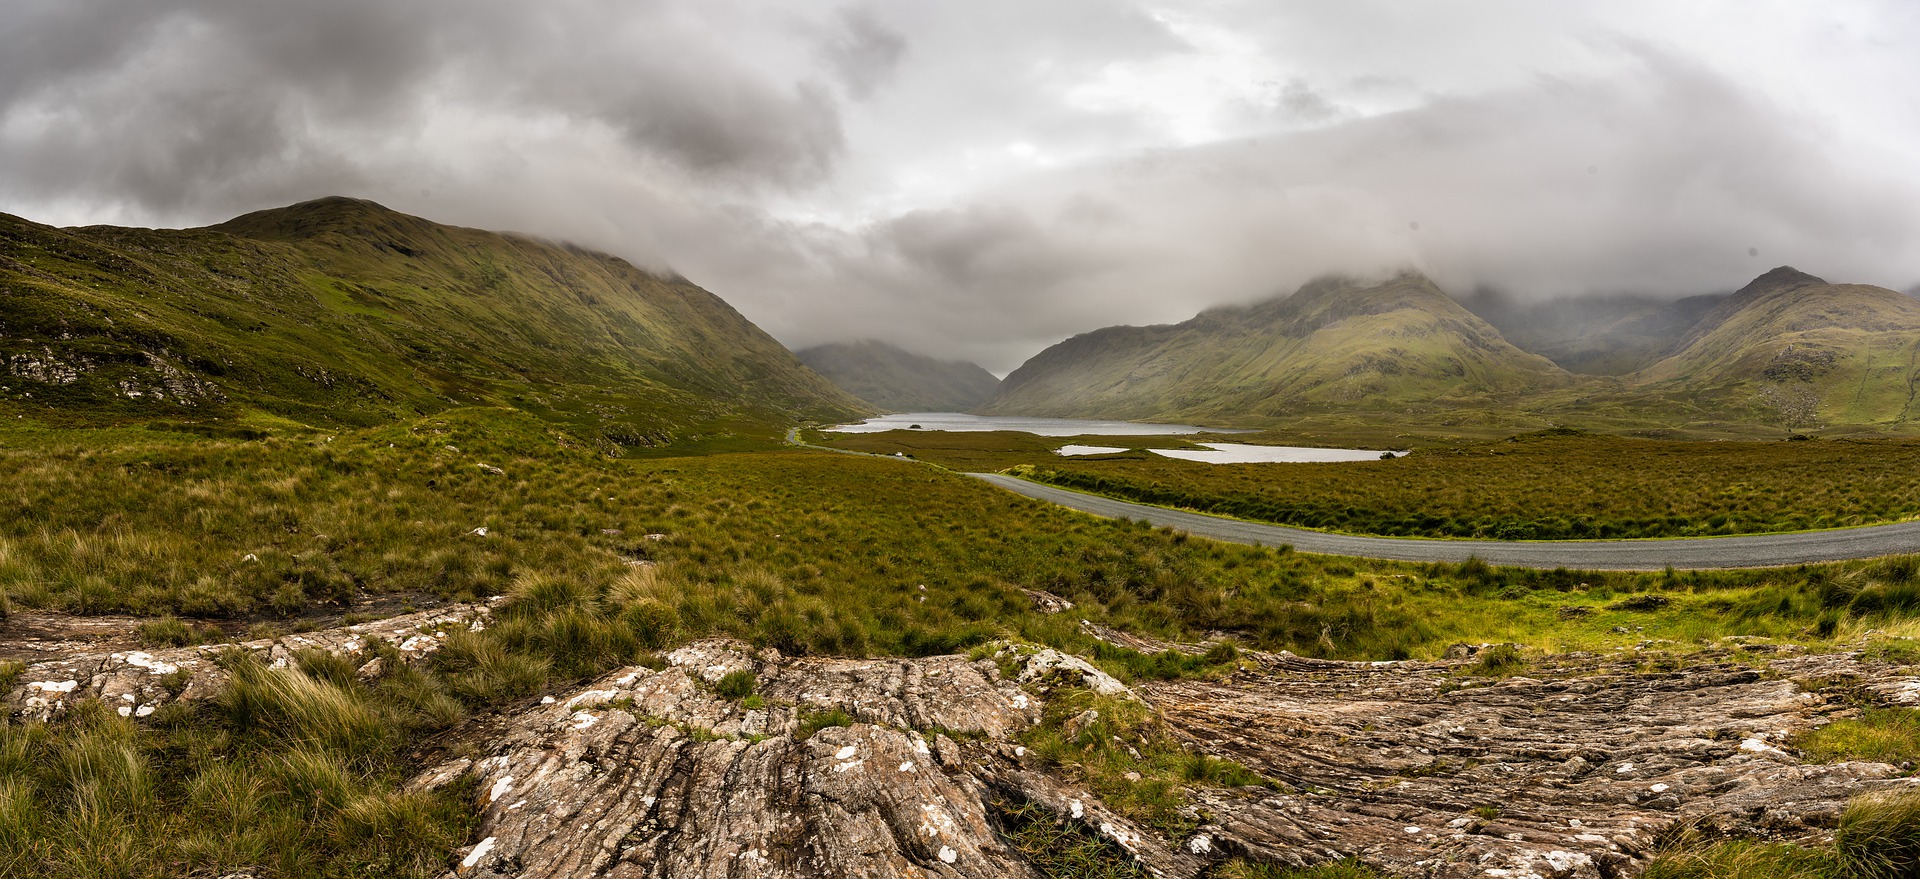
1410, 767
1576, 771
1580, 767
103, 663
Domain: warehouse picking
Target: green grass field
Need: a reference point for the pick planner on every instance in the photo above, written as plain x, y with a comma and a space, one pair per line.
607, 558
1554, 485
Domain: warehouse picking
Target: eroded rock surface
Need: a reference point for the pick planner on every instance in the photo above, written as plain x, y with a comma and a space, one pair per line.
651, 774
138, 681
896, 767
1415, 768
1573, 771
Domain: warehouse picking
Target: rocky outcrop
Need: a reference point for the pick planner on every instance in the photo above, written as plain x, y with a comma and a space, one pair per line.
1577, 768
652, 773
137, 682
1574, 770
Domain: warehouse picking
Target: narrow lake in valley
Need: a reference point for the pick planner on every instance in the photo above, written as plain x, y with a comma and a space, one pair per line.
956, 421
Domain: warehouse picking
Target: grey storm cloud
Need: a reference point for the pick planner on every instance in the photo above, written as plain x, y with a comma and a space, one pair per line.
863, 51
1670, 181
191, 103
980, 180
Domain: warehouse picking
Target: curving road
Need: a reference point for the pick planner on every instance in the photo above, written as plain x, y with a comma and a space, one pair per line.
1744, 551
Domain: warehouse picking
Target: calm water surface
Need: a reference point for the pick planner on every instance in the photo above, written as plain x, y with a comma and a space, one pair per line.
956, 421
1240, 453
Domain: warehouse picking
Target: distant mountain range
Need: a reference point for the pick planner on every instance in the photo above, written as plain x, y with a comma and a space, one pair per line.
342, 312
899, 381
1335, 344
1788, 349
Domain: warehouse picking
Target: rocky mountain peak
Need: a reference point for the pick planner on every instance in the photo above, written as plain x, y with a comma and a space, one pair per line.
1781, 278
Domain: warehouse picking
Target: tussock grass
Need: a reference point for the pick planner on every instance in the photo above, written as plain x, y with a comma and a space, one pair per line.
1060, 849
819, 720
212, 789
1885, 735
1747, 859
1551, 485
1878, 837
1500, 660
293, 709
483, 671
1122, 751
736, 684
1342, 869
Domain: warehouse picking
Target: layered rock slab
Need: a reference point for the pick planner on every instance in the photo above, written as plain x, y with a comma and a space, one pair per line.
1579, 767
139, 681
1423, 771
651, 774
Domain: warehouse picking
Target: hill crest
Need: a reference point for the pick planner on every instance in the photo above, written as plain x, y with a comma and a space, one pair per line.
342, 311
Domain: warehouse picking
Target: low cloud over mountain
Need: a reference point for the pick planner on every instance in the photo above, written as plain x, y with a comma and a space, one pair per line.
979, 182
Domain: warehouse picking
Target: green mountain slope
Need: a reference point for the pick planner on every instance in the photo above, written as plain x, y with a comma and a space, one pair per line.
1801, 351
1333, 346
342, 312
900, 381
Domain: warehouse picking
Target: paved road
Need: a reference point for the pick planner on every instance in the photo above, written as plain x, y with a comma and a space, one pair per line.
1744, 551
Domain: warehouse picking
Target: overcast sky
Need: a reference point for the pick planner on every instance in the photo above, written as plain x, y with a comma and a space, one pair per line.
981, 179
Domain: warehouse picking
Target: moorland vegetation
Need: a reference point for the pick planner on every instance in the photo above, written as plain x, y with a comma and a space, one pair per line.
606, 559
1550, 485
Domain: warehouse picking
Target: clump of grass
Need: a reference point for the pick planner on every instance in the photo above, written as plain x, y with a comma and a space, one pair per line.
819, 720
1499, 660
297, 710
1746, 859
1882, 735
1122, 751
169, 631
481, 670
212, 789
1879, 835
565, 621
1210, 771
1894, 652
737, 684
1060, 849
1346, 868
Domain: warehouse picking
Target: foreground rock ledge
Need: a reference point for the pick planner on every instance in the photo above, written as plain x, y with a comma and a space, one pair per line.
1575, 769
1407, 766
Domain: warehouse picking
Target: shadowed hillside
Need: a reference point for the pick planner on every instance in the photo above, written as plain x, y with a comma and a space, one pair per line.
1600, 335
342, 312
900, 381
